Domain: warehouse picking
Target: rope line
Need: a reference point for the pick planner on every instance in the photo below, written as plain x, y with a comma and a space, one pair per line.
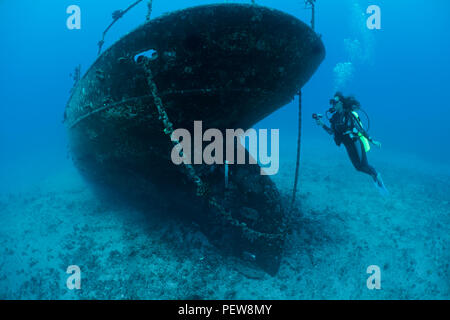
299, 139
149, 10
119, 14
312, 5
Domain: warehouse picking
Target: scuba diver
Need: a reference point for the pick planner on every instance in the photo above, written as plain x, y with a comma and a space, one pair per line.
347, 129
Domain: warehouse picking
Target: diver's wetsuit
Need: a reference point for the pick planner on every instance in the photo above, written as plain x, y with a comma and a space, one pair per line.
341, 123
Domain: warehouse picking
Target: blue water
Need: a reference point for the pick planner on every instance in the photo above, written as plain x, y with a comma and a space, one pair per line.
400, 76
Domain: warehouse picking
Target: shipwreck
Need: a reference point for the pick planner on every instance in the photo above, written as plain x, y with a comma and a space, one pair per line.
228, 65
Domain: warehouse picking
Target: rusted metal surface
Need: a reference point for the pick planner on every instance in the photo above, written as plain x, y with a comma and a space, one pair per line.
229, 65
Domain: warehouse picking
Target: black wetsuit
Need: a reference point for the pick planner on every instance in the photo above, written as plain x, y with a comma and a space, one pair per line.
341, 123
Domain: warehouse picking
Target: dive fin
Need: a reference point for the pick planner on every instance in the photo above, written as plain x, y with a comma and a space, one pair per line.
379, 184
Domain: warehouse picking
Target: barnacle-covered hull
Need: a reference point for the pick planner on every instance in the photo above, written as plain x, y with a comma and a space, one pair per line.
228, 65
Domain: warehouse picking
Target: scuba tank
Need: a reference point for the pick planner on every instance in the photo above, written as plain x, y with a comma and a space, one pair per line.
363, 139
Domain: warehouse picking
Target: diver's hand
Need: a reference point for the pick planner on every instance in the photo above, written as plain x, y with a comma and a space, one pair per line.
319, 122
376, 143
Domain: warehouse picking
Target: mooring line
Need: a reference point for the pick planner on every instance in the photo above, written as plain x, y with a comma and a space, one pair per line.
312, 4
119, 14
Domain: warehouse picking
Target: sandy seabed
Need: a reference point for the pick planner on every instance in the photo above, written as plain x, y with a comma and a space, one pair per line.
342, 227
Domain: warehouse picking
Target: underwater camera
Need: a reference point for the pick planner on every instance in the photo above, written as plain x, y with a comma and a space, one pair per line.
317, 116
